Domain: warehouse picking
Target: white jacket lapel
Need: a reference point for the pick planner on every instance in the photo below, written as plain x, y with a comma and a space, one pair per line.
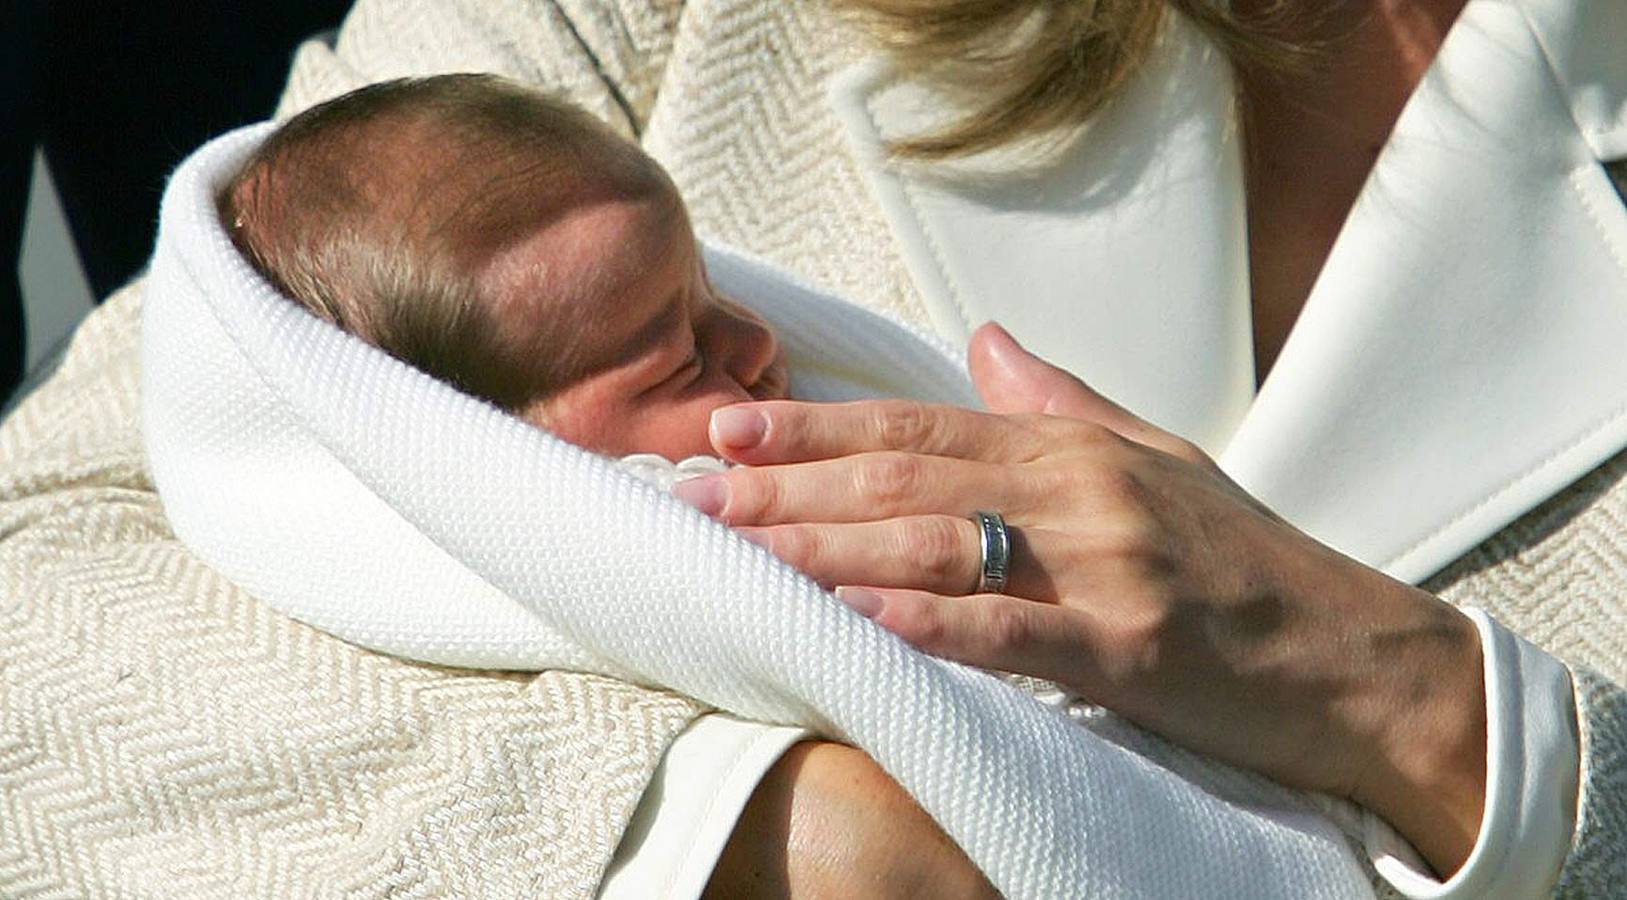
1464, 354
1587, 49
1121, 259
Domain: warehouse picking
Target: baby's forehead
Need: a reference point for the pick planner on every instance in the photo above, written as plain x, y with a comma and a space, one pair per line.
591, 245
588, 276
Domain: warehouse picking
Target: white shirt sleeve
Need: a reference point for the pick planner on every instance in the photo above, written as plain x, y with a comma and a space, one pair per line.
1533, 757
690, 808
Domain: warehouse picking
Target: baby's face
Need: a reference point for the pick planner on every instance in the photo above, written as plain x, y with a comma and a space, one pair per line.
659, 346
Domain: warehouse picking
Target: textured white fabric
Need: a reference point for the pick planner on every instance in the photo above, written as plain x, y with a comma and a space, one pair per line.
366, 498
707, 776
664, 473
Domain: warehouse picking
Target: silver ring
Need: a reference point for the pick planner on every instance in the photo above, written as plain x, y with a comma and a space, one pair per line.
996, 548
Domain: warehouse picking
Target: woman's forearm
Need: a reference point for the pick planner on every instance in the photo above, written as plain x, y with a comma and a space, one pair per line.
826, 821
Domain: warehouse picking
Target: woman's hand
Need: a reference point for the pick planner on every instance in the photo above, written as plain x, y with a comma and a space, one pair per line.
1142, 578
826, 821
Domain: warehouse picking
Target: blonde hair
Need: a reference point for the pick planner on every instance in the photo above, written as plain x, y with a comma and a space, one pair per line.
1052, 64
376, 210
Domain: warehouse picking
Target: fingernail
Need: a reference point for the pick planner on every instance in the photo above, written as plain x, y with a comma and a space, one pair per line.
738, 428
758, 536
865, 603
708, 494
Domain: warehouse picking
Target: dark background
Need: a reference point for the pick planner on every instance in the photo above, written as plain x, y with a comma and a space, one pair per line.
116, 93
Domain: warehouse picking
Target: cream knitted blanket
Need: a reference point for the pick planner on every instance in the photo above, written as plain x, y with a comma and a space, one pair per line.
360, 496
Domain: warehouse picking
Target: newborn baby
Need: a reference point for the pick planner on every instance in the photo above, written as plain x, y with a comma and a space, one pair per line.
511, 245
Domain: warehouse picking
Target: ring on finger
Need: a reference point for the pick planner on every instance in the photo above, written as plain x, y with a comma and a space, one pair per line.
994, 543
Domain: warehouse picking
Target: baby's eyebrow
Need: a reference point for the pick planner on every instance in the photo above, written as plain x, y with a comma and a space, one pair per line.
650, 333
669, 318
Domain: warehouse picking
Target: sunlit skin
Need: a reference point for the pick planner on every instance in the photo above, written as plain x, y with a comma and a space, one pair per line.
622, 281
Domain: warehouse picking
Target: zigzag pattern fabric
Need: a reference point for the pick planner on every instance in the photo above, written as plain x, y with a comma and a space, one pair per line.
164, 734
354, 493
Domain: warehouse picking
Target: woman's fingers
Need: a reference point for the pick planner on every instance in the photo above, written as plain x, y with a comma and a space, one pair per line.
866, 487
941, 554
787, 431
934, 553
1037, 407
991, 631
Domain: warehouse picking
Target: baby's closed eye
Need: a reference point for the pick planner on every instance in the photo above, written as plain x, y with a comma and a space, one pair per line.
692, 369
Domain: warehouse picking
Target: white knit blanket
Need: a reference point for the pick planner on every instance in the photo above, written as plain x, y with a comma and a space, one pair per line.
356, 494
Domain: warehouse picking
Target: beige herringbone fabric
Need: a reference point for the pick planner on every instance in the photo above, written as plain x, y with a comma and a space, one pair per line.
606, 55
164, 735
743, 126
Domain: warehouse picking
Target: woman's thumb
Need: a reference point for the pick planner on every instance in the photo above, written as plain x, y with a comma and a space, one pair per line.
1012, 380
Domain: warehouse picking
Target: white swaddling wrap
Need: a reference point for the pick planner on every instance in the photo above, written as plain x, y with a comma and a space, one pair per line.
352, 492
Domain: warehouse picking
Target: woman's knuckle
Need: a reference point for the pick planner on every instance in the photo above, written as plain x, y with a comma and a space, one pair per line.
1137, 555
936, 545
1051, 481
1055, 429
896, 422
1112, 486
1036, 422
922, 624
1008, 629
796, 544
1124, 537
1035, 433
1092, 434
903, 424
754, 496
1183, 449
889, 479
1138, 642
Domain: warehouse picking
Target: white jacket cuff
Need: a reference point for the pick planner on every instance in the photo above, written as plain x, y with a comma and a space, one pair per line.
690, 808
1532, 762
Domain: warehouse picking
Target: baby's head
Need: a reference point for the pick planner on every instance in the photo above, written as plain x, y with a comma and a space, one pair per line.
511, 245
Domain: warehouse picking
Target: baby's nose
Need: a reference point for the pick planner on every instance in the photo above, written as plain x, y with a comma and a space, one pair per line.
747, 345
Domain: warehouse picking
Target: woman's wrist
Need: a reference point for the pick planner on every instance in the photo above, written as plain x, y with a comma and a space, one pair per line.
1427, 774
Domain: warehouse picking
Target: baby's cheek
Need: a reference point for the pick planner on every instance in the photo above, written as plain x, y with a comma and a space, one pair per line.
593, 423
674, 427
682, 430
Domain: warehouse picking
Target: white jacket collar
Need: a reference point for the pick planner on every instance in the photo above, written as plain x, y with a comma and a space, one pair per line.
1122, 258
1587, 49
1459, 361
